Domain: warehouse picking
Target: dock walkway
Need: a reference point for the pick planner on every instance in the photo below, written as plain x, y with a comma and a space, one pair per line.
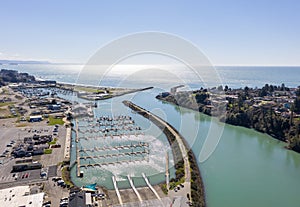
150, 186
134, 189
117, 190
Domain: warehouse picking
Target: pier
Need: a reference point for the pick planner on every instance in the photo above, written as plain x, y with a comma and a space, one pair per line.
76, 130
77, 148
132, 153
134, 189
117, 190
78, 162
118, 147
144, 152
150, 186
99, 164
108, 127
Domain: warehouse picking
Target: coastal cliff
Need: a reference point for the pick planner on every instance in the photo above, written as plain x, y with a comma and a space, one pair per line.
13, 76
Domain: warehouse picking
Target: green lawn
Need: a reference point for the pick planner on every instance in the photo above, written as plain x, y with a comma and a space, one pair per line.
48, 151
53, 121
53, 141
86, 89
6, 104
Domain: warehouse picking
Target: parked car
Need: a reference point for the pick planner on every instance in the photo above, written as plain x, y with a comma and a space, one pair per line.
48, 202
60, 182
64, 199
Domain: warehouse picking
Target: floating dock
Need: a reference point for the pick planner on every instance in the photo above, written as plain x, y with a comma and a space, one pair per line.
118, 147
99, 164
115, 155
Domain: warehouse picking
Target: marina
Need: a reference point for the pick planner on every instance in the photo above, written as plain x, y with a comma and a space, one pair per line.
140, 145
101, 129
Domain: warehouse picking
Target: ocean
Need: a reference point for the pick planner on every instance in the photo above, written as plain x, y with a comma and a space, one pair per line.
233, 76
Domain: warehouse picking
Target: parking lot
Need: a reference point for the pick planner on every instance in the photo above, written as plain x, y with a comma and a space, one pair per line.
21, 176
11, 136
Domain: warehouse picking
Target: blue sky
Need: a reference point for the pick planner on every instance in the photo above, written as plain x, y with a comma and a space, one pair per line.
240, 32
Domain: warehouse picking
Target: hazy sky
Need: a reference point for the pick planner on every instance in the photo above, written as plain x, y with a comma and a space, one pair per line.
229, 32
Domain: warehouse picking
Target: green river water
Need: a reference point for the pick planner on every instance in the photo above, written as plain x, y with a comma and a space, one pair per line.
247, 168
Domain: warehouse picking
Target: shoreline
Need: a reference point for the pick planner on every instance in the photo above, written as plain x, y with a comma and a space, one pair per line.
192, 172
90, 92
272, 110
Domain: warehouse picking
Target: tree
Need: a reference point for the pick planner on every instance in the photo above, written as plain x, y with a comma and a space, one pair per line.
220, 88
296, 105
282, 88
226, 88
201, 97
298, 91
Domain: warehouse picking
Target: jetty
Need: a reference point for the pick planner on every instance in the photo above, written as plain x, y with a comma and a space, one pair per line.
167, 128
181, 153
77, 148
173, 136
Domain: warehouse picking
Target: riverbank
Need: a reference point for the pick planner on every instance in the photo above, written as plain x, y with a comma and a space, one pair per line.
183, 157
274, 110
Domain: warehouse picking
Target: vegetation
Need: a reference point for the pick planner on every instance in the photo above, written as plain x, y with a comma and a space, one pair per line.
86, 89
12, 76
54, 121
66, 177
53, 142
164, 188
22, 125
6, 104
197, 186
275, 119
175, 182
47, 151
265, 119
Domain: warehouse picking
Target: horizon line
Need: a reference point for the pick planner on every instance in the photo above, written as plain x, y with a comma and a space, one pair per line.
45, 62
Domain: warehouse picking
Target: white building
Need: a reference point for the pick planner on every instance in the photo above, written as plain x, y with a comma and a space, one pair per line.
20, 196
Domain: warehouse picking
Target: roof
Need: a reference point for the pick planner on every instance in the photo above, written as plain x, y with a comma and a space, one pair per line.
88, 199
77, 200
19, 196
36, 117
